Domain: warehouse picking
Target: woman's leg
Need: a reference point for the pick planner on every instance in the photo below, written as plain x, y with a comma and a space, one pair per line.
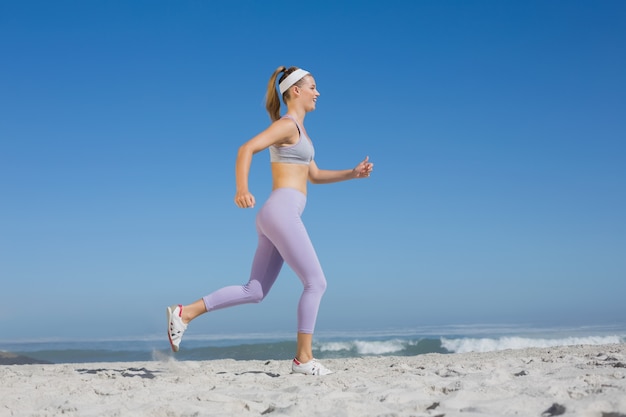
265, 269
305, 264
283, 225
304, 349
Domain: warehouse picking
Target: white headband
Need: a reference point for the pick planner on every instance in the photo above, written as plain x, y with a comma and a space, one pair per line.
291, 79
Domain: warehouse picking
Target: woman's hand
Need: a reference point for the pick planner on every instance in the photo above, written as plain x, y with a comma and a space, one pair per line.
244, 199
363, 169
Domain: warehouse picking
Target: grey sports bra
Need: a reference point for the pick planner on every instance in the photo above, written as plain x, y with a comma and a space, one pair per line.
301, 152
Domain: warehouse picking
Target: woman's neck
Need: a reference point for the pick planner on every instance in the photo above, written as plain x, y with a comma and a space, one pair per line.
297, 114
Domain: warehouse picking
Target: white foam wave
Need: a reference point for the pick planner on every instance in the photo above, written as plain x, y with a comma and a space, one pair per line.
379, 348
335, 346
503, 343
366, 347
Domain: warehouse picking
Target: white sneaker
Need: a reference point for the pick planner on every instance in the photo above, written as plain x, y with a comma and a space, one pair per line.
175, 326
312, 367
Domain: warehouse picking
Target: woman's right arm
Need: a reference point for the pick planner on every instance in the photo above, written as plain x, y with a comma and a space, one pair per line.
243, 198
279, 132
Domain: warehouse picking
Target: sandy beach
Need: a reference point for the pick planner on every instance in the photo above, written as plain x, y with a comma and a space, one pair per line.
570, 381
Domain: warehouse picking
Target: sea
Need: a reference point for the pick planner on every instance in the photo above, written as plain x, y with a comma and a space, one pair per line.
345, 344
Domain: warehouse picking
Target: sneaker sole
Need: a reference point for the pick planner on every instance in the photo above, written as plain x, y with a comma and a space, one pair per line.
170, 310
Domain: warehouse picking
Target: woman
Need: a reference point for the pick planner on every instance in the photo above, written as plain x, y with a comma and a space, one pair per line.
282, 235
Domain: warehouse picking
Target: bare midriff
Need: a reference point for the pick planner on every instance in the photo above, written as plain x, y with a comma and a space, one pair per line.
290, 176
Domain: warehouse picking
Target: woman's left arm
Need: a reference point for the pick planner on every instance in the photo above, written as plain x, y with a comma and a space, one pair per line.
325, 176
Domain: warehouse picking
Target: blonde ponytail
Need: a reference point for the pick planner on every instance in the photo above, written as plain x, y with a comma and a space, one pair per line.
272, 99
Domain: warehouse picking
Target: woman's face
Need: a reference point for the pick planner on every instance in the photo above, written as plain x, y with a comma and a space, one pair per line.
309, 93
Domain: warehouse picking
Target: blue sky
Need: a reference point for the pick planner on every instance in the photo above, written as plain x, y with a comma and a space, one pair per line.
497, 130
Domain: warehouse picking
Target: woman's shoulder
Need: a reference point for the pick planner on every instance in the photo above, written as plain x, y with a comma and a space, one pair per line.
287, 125
283, 131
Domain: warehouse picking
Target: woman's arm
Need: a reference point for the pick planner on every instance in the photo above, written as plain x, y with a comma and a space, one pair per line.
278, 132
325, 176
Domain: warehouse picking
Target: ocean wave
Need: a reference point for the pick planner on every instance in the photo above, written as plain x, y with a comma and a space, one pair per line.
363, 347
464, 345
256, 346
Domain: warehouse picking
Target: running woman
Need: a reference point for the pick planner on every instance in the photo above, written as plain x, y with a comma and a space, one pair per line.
282, 235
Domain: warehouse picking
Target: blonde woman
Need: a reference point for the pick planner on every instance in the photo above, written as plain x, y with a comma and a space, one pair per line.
282, 235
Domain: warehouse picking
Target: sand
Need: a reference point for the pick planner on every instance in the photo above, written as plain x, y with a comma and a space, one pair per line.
569, 381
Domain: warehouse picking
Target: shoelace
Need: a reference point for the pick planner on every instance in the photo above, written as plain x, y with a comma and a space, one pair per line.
316, 368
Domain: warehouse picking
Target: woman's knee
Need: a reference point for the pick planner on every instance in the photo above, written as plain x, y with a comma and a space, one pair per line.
316, 284
322, 284
254, 292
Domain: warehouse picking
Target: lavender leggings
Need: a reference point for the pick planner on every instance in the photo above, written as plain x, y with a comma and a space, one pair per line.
282, 237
